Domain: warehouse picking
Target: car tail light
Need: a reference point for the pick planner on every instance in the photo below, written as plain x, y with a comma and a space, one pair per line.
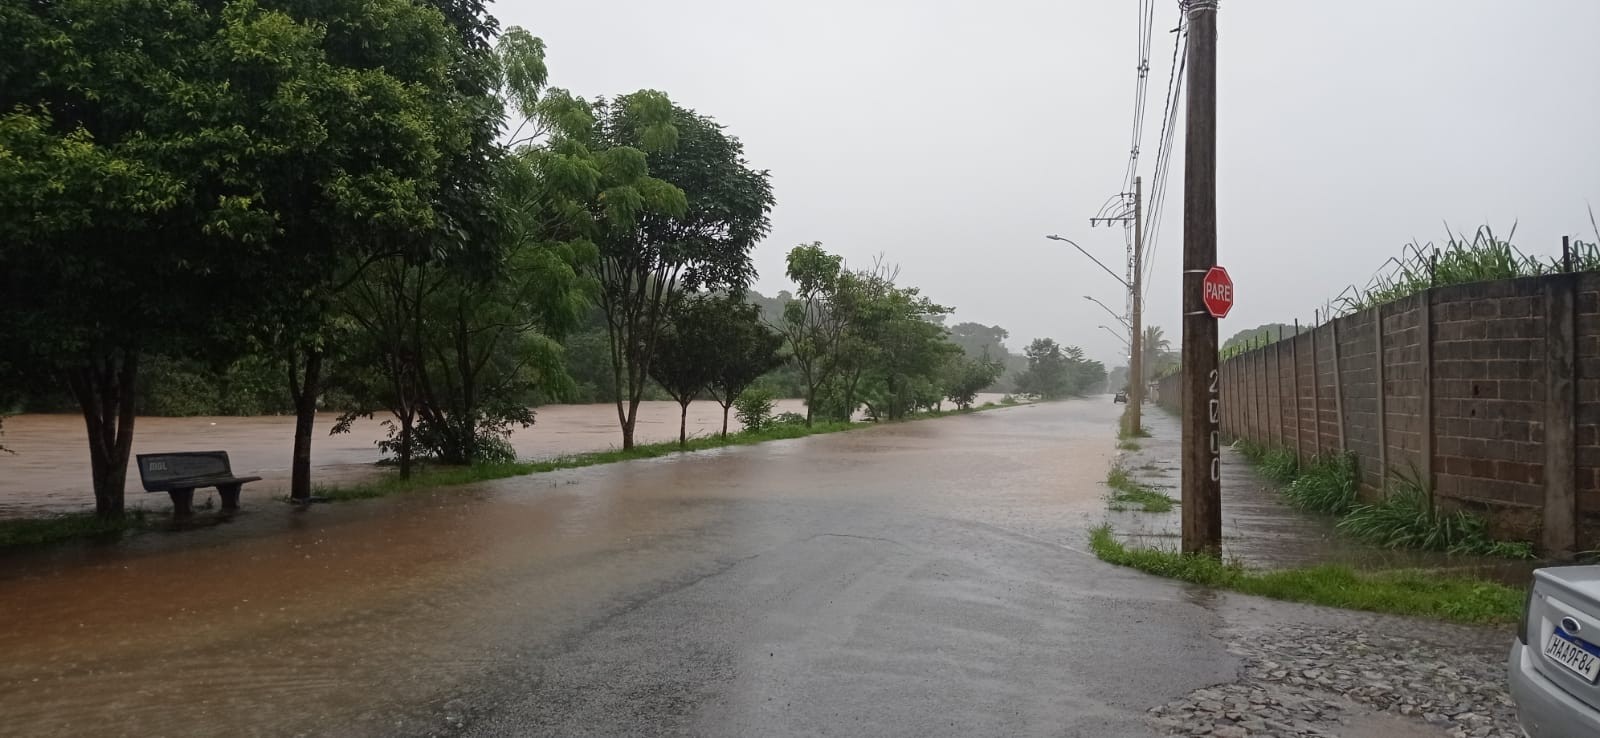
1522, 625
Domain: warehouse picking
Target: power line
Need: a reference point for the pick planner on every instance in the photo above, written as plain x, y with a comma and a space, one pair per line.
1146, 21
1164, 150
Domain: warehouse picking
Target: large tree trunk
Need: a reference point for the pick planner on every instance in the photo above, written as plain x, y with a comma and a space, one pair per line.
304, 390
811, 403
104, 391
629, 422
683, 424
724, 421
406, 422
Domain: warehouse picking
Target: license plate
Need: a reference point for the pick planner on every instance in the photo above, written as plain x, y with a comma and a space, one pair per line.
1570, 652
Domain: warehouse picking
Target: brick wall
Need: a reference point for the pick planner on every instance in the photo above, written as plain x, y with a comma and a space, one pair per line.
1459, 396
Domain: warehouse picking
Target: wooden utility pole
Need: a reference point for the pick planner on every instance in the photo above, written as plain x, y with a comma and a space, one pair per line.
1136, 362
1202, 459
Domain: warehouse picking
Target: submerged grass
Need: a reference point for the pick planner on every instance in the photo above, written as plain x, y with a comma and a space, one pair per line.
1404, 519
37, 531
1401, 592
1326, 485
1127, 494
445, 476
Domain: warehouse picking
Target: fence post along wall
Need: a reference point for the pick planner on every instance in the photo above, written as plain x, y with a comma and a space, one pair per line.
1486, 394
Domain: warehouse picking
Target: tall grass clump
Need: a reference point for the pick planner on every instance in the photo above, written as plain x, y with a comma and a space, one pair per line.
1279, 464
1481, 257
1129, 494
1250, 450
1326, 485
1407, 519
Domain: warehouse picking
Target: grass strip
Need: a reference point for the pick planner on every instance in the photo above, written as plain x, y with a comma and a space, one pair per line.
23, 532
1400, 592
444, 476
1127, 494
37, 531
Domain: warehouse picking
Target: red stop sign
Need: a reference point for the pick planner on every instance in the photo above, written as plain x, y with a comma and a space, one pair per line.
1216, 290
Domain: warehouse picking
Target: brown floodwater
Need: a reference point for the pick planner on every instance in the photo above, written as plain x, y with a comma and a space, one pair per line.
49, 470
401, 615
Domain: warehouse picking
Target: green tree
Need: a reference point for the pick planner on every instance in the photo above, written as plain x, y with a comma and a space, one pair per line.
687, 355
977, 340
908, 353
815, 322
1264, 333
225, 161
1053, 370
1157, 350
965, 377
648, 262
744, 350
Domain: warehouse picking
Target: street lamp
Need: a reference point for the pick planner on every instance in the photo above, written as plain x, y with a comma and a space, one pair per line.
1119, 337
1113, 313
1075, 245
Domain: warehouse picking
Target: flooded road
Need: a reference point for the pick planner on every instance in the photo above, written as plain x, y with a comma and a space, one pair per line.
49, 471
915, 579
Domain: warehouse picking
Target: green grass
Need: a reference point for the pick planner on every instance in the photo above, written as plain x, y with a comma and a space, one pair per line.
37, 531
1279, 465
1405, 519
1326, 485
1401, 592
1127, 494
1128, 445
1483, 256
444, 476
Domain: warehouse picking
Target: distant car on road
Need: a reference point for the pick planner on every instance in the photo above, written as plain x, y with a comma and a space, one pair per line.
1555, 661
1120, 397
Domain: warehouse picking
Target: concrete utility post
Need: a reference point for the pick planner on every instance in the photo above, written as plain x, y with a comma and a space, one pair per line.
1202, 461
1135, 286
1136, 362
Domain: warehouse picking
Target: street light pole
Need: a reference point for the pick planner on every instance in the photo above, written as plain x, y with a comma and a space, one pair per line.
1120, 319
1075, 245
1124, 341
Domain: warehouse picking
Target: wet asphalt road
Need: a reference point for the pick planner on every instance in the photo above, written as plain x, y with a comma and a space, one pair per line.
918, 579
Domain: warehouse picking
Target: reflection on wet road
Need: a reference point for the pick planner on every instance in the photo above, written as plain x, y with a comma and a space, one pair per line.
914, 579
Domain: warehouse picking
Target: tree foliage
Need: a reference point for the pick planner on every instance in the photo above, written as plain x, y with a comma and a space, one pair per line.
689, 225
965, 377
176, 178
1055, 371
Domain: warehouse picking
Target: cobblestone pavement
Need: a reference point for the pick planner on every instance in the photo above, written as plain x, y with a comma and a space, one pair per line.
1350, 682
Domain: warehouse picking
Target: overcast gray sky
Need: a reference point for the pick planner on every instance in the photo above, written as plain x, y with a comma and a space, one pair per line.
952, 136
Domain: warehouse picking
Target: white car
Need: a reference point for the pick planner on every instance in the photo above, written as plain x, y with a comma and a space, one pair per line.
1555, 661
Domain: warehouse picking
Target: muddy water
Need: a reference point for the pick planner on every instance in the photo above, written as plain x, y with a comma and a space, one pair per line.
49, 470
409, 615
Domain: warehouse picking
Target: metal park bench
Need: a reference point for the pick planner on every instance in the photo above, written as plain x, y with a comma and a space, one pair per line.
180, 474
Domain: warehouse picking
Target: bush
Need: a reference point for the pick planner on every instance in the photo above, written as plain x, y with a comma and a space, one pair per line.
789, 419
753, 407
